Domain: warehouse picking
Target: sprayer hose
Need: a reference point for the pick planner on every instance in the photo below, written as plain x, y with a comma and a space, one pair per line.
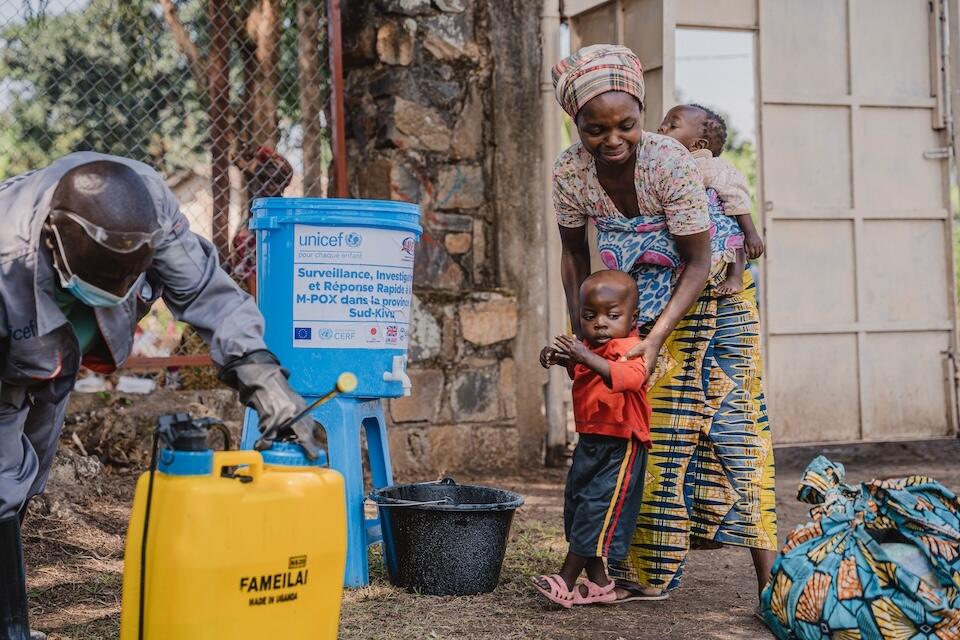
225, 432
146, 528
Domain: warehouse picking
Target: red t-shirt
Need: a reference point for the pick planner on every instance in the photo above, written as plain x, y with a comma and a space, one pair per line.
620, 410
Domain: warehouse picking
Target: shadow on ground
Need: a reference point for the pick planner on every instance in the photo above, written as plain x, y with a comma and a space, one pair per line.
75, 552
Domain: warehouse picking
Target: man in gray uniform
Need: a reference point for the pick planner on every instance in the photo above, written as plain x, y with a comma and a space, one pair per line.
86, 246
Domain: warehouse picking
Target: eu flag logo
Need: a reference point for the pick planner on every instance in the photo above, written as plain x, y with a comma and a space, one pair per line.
302, 333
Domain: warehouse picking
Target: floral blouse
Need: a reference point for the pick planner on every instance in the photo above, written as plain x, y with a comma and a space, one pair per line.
672, 203
669, 187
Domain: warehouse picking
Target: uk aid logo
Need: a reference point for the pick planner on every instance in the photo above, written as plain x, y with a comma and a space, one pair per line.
391, 334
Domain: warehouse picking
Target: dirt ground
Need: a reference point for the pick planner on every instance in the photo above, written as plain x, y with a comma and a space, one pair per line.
74, 548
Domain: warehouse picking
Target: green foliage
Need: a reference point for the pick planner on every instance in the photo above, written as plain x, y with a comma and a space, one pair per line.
743, 155
107, 78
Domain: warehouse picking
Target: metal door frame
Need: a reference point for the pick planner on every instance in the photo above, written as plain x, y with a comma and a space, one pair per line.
941, 109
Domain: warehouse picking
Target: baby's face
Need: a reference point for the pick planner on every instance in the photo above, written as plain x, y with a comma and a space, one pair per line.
685, 125
606, 312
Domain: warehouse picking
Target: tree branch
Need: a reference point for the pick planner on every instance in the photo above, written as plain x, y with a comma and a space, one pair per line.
185, 44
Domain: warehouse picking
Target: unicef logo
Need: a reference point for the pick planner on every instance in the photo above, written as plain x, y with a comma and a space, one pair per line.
354, 240
326, 334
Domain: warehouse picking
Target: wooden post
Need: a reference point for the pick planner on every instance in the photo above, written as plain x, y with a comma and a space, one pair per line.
219, 96
336, 94
311, 101
556, 397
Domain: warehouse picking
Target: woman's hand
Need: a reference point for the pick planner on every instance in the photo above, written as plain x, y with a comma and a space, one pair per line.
649, 350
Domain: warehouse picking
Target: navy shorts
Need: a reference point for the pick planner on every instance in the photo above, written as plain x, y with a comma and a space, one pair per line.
603, 495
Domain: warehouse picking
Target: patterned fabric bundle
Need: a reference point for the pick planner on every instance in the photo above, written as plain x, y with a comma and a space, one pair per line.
845, 575
594, 70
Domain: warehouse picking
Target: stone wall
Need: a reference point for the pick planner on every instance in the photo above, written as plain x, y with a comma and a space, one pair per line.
442, 101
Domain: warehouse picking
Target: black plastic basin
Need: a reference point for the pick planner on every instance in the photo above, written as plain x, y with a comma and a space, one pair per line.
443, 538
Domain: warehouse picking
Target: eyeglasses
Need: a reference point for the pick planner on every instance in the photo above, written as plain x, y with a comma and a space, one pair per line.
116, 241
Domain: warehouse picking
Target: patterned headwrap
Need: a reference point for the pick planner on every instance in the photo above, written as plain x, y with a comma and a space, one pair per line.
594, 70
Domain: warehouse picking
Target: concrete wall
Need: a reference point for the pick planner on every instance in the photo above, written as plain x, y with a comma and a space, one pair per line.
443, 109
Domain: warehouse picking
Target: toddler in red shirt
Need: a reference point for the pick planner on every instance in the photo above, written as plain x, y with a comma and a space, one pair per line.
605, 482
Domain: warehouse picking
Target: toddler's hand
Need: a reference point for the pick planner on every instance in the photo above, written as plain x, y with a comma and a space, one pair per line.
753, 245
571, 348
548, 357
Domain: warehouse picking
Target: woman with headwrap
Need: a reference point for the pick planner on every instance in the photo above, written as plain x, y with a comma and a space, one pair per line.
710, 470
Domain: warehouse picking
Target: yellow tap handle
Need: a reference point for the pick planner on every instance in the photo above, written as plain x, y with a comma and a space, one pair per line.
346, 382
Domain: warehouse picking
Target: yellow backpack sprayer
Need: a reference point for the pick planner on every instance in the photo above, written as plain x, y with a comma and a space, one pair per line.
234, 544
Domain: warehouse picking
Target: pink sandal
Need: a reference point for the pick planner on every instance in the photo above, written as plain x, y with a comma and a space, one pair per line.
558, 592
595, 593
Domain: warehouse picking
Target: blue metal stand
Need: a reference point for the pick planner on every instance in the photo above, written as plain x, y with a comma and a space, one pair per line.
344, 419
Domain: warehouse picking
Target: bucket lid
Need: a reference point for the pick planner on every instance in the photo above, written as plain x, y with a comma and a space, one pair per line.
289, 454
269, 212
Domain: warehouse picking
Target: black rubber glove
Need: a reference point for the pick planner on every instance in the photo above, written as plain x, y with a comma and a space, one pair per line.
263, 385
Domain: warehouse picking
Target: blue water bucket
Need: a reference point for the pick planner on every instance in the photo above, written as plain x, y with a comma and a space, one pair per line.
335, 285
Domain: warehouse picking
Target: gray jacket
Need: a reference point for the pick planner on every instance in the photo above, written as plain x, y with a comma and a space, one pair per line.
38, 349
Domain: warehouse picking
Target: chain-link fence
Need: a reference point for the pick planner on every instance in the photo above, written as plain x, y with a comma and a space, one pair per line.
227, 98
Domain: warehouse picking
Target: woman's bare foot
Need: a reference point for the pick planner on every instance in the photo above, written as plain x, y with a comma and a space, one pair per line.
732, 284
629, 592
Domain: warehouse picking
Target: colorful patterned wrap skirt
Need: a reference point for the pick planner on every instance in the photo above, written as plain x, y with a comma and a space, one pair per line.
710, 473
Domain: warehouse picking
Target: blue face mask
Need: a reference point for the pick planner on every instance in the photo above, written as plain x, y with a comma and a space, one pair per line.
93, 296
88, 294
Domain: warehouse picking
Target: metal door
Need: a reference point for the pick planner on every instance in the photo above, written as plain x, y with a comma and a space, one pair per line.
647, 27
859, 289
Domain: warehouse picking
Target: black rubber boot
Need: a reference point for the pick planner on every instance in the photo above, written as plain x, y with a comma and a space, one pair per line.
13, 587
